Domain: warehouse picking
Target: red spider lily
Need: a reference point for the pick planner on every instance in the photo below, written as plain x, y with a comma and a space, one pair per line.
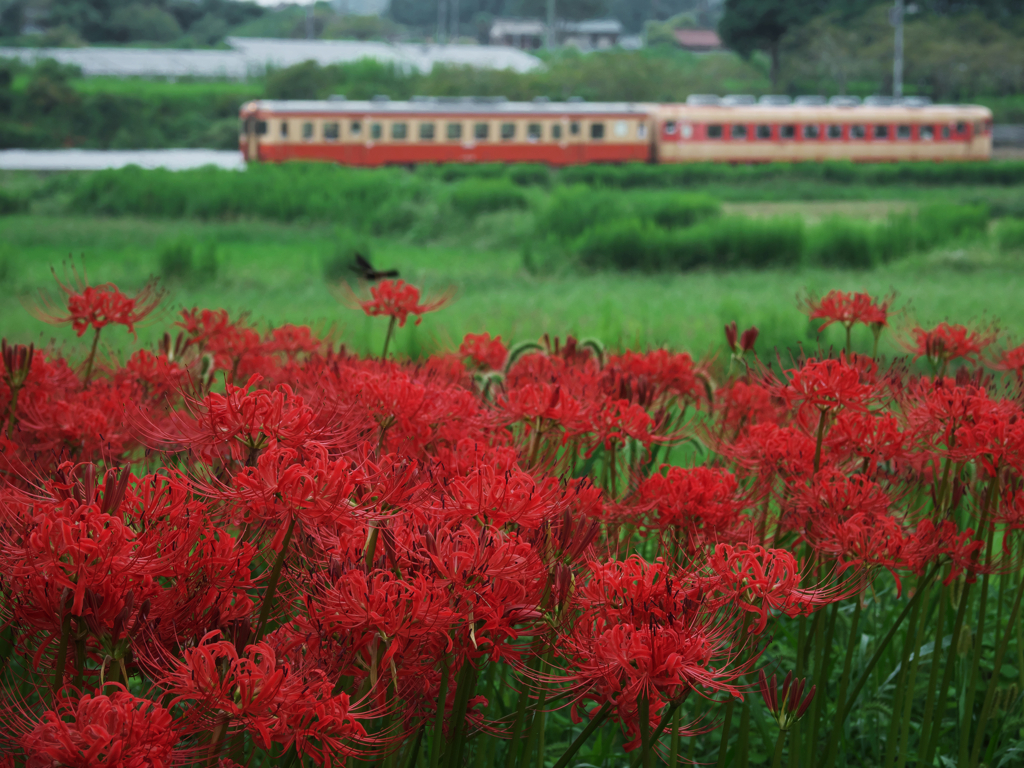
17, 361
1010, 360
759, 580
700, 504
103, 731
746, 339
946, 342
487, 353
271, 702
788, 703
398, 299
96, 306
828, 386
848, 309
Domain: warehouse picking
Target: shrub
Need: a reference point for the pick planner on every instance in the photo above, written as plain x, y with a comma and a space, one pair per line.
11, 203
841, 242
475, 196
623, 244
942, 222
1010, 234
672, 209
176, 262
393, 217
529, 174
572, 210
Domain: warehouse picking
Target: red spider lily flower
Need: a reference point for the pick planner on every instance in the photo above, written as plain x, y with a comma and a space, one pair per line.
484, 351
758, 580
746, 339
95, 306
946, 342
788, 703
848, 309
112, 731
397, 299
829, 386
702, 503
1010, 360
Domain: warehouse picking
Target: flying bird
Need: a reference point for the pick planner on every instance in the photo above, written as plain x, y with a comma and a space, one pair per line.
362, 267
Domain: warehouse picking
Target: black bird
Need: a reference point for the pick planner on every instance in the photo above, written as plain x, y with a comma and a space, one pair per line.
365, 269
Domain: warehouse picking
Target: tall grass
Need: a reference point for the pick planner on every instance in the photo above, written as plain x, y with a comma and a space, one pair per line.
1010, 234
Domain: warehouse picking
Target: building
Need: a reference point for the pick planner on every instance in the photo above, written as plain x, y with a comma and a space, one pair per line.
590, 35
524, 34
698, 40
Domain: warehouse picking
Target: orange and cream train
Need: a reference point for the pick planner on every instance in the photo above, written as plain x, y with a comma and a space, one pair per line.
706, 129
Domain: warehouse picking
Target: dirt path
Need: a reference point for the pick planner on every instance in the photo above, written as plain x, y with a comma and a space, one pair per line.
817, 210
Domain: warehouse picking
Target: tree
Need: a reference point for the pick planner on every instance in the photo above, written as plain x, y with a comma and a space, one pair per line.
758, 25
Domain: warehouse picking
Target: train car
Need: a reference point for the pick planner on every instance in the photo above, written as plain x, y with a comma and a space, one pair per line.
471, 130
759, 133
438, 130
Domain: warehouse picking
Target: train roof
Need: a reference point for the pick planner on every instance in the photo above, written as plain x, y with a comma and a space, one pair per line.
441, 105
822, 112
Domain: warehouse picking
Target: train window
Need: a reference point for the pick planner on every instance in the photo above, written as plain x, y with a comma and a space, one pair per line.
858, 132
454, 130
375, 131
331, 131
902, 131
533, 131
355, 127
480, 131
556, 131
641, 130
508, 131
426, 131
670, 127
714, 131
307, 131
685, 130
835, 132
812, 131
597, 130
945, 131
738, 132
926, 133
621, 129
399, 131
261, 127
284, 129
961, 127
881, 131
574, 128
787, 131
764, 132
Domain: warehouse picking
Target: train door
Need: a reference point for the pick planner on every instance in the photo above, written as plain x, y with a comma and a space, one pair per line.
252, 142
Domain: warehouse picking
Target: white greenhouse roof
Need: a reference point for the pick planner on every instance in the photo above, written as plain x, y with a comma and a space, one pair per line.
100, 159
253, 55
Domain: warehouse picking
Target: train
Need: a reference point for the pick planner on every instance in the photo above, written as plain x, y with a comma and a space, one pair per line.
705, 128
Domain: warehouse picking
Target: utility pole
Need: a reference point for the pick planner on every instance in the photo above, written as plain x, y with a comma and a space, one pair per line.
549, 33
442, 20
310, 28
454, 36
897, 57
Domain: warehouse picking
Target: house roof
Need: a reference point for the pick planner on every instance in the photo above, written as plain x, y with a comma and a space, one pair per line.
517, 27
594, 27
698, 38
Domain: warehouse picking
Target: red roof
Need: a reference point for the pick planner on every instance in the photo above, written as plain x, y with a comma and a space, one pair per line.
705, 39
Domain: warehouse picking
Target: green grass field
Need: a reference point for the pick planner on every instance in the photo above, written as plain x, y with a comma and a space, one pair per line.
276, 272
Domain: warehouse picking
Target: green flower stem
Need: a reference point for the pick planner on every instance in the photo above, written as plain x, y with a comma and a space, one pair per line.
723, 744
275, 576
673, 759
972, 684
442, 697
997, 664
742, 748
62, 656
933, 675
911, 683
801, 656
844, 680
595, 723
92, 358
524, 696
780, 743
822, 667
457, 738
537, 721
900, 690
644, 714
387, 338
666, 718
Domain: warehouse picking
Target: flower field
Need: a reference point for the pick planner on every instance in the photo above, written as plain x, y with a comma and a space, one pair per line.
252, 547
